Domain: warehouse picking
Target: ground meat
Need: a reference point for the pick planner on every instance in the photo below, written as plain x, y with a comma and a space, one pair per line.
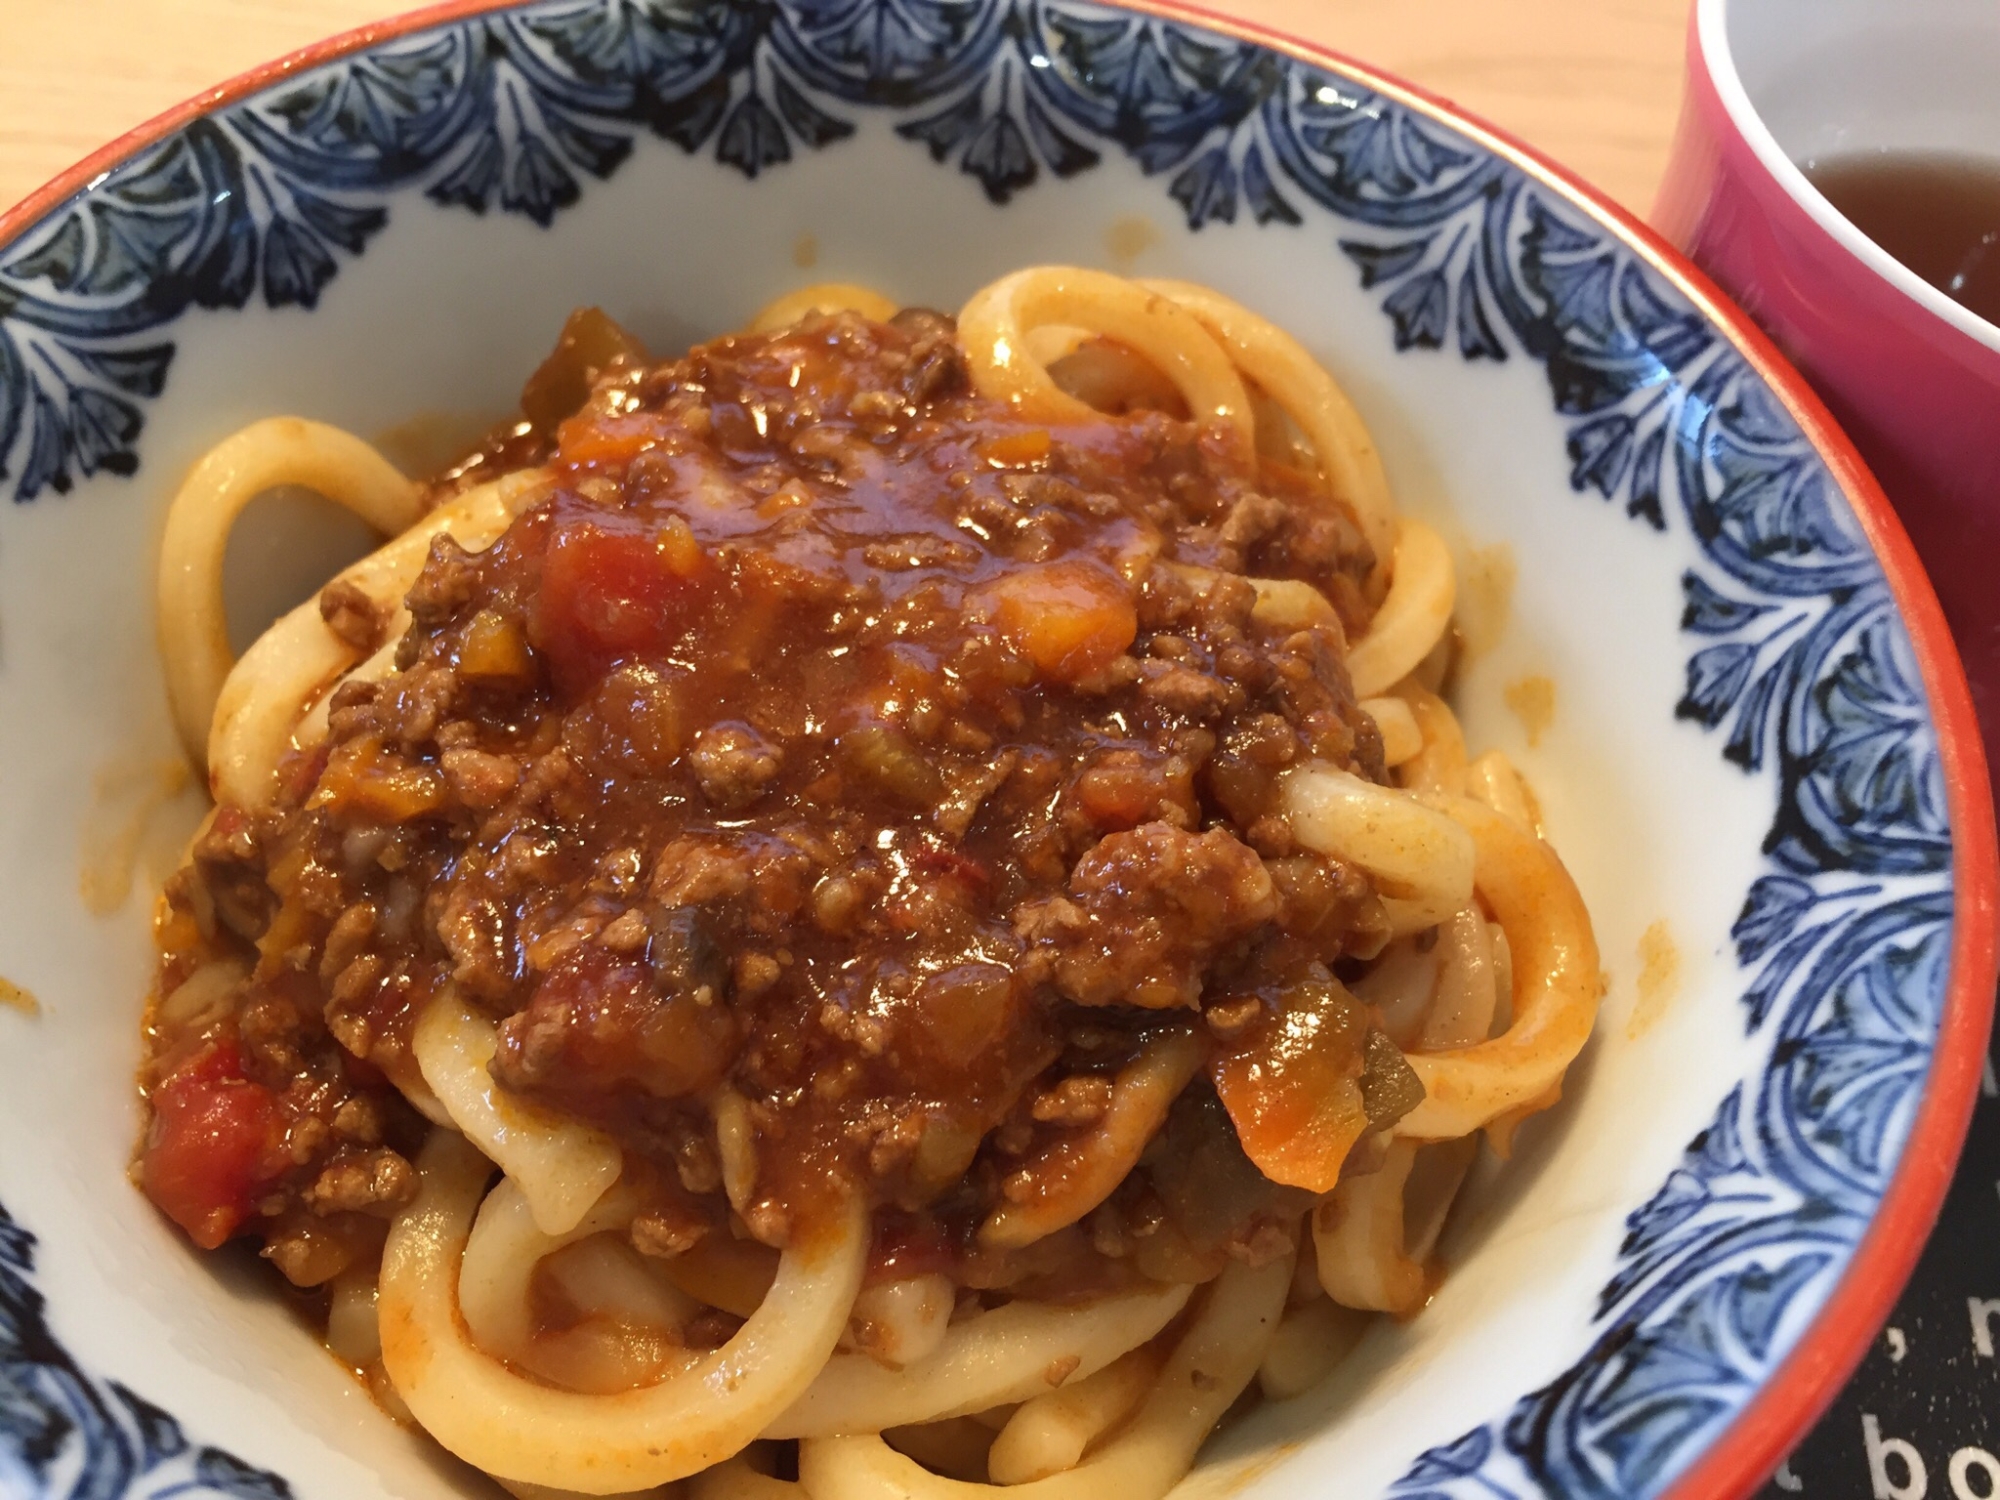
450, 580
374, 1182
478, 779
223, 885
663, 1235
733, 764
625, 933
701, 872
359, 1119
345, 940
934, 367
967, 792
474, 934
1074, 1101
1184, 690
1148, 912
351, 615
825, 738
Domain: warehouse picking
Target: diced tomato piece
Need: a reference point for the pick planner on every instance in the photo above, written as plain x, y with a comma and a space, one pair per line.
1292, 1086
937, 860
618, 1029
214, 1143
613, 588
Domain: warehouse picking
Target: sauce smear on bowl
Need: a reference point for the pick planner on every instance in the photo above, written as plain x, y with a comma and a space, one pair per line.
1937, 213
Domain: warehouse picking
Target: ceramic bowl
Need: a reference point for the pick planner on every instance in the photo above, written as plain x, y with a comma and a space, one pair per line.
1913, 376
1761, 762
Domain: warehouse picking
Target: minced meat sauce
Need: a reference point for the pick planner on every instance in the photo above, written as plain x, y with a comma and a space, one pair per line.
830, 735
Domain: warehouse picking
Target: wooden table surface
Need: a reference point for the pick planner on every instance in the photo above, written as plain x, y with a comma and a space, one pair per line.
1595, 83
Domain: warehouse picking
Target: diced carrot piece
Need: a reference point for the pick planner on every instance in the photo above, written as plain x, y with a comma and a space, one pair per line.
359, 778
397, 795
1016, 450
1292, 1086
596, 441
1069, 618
494, 649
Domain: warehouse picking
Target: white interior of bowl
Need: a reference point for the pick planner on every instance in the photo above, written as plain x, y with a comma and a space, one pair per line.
446, 312
1816, 80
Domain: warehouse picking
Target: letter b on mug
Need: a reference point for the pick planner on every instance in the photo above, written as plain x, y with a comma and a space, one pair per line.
1911, 1483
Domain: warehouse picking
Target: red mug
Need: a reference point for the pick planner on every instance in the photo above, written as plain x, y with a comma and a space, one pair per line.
1913, 376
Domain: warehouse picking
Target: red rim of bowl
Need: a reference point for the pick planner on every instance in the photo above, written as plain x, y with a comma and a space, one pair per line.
1767, 1426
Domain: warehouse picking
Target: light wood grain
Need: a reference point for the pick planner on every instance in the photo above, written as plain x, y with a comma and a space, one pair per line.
1595, 83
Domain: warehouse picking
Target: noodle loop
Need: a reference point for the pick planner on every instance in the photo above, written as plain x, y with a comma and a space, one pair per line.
994, 326
598, 1445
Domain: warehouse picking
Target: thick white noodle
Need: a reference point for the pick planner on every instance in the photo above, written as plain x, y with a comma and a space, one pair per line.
1358, 1235
900, 1322
1414, 615
1088, 1166
736, 1480
1288, 604
1556, 984
1051, 1432
505, 1246
520, 1491
1402, 985
353, 1332
822, 297
1461, 1009
203, 996
561, 1167
1496, 781
194, 628
991, 1359
1439, 767
518, 1429
1312, 1339
1420, 856
1212, 1363
1401, 739
995, 324
1432, 1187
736, 1146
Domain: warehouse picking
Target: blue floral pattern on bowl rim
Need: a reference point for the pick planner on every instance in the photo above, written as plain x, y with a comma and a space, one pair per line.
1798, 662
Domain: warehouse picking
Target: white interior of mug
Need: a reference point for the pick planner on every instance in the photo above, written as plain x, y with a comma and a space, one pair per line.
1810, 80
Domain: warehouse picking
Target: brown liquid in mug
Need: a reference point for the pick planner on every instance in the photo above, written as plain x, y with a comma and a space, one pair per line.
1938, 214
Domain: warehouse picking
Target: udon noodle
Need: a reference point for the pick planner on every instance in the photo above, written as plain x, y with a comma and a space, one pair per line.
889, 907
